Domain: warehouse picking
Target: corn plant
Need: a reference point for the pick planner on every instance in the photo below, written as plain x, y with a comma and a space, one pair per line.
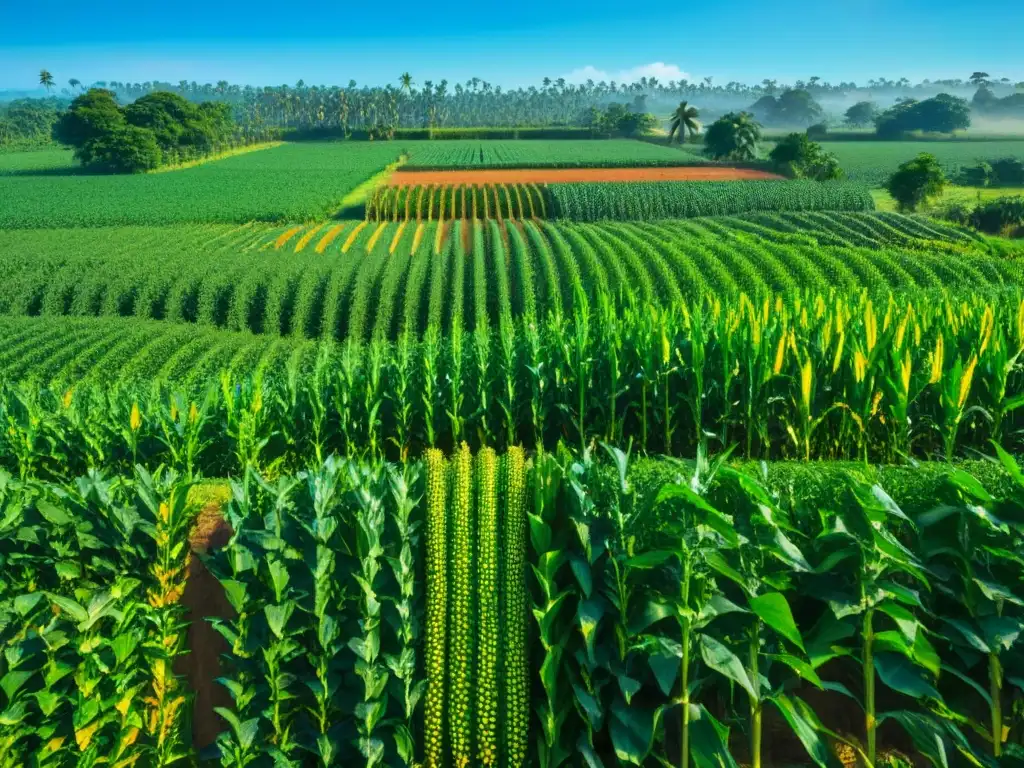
488, 607
515, 715
436, 639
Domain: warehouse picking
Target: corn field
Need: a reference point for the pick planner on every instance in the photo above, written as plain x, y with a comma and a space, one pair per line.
737, 630
830, 376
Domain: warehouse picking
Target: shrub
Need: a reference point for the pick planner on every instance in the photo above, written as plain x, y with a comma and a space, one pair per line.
916, 181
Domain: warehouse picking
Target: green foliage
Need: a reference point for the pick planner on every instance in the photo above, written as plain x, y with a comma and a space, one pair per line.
940, 114
607, 153
1002, 216
794, 107
297, 182
915, 181
28, 122
803, 158
733, 137
861, 114
667, 200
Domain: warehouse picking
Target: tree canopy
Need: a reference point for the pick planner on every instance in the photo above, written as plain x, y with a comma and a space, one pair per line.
795, 107
915, 181
941, 114
861, 114
733, 136
798, 156
158, 128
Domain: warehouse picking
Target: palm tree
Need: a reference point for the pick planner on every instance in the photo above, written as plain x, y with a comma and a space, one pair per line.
46, 79
684, 120
74, 82
406, 80
747, 133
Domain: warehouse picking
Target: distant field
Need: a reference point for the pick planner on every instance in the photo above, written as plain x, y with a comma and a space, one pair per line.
583, 153
872, 162
952, 194
294, 182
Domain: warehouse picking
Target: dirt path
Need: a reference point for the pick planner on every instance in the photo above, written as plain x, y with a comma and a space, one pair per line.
562, 175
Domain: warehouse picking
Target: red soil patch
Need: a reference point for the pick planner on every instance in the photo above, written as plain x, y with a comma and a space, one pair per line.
204, 597
565, 175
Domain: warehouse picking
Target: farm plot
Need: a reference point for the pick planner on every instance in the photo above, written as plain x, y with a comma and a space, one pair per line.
872, 162
293, 182
366, 280
592, 153
483, 194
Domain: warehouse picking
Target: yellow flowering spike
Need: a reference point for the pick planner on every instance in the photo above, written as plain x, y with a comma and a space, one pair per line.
165, 512
917, 334
135, 420
870, 326
905, 372
1020, 325
257, 400
888, 314
716, 308
806, 374
67, 397
875, 401
83, 736
665, 349
803, 317
778, 305
193, 414
174, 410
860, 366
839, 352
764, 312
780, 354
987, 323
965, 382
937, 360
819, 307
901, 329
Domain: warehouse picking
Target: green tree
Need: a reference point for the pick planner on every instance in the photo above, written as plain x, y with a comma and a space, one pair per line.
733, 136
91, 114
74, 82
798, 156
941, 114
861, 114
916, 181
46, 79
405, 79
684, 120
127, 149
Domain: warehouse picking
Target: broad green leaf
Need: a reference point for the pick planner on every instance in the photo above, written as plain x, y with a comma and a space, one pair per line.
69, 606
52, 513
726, 663
1001, 631
12, 681
710, 516
994, 591
906, 622
794, 710
651, 559
590, 705
798, 665
632, 731
960, 675
709, 741
900, 674
773, 609
666, 669
277, 617
721, 565
24, 604
649, 613
924, 732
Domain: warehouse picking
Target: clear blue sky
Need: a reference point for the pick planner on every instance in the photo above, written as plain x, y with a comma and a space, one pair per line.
507, 42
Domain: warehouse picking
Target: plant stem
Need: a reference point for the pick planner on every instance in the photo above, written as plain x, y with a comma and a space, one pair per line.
869, 685
685, 586
755, 701
995, 682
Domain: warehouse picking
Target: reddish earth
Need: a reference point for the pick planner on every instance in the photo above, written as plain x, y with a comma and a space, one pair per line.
563, 175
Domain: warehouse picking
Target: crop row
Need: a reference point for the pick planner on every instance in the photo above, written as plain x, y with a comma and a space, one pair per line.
407, 278
822, 376
547, 154
873, 162
651, 200
401, 615
435, 202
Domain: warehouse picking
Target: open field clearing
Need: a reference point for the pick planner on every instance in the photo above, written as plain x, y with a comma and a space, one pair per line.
872, 162
607, 153
292, 182
950, 195
565, 175
367, 280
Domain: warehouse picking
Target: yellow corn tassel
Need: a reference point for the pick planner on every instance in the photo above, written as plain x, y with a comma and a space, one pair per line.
905, 372
901, 329
780, 354
937, 360
1020, 325
839, 352
135, 420
193, 414
965, 381
987, 323
806, 374
917, 334
870, 326
67, 397
819, 307
860, 366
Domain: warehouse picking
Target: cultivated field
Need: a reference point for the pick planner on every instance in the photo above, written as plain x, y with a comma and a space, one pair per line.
505, 454
872, 162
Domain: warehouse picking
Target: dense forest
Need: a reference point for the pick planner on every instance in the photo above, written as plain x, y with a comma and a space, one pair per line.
376, 112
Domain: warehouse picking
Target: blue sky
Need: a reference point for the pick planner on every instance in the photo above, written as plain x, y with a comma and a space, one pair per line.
507, 43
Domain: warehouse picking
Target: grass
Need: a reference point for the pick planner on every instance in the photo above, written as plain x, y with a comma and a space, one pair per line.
872, 162
951, 194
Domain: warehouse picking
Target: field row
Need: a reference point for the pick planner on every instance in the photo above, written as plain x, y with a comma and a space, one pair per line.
438, 610
820, 376
611, 200
463, 275
598, 153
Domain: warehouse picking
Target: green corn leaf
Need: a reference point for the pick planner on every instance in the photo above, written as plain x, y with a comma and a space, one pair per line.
726, 663
666, 669
277, 617
632, 731
773, 609
803, 723
1001, 631
798, 665
924, 732
709, 740
900, 674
